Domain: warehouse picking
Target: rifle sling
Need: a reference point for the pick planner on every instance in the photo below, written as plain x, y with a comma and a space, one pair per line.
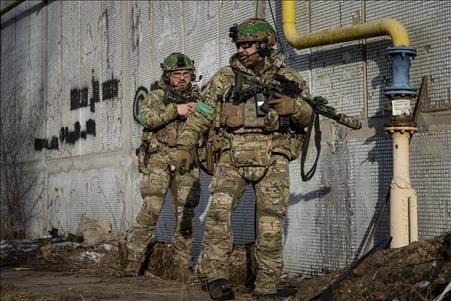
314, 120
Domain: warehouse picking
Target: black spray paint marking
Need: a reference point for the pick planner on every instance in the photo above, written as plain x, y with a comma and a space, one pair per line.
79, 96
110, 88
39, 144
79, 99
72, 136
95, 95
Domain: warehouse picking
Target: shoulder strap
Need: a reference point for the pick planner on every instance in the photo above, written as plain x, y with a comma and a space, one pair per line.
314, 120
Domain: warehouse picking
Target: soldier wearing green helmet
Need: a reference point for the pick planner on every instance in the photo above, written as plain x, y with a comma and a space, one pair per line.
163, 113
254, 136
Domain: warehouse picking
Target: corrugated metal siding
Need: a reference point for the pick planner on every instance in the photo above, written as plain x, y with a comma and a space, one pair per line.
430, 174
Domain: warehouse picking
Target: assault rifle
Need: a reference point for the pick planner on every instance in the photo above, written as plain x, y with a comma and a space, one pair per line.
291, 89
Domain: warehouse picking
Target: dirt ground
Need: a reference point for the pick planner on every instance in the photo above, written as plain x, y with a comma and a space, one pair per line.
52, 270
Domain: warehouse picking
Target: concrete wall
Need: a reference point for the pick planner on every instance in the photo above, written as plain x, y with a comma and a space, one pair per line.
70, 70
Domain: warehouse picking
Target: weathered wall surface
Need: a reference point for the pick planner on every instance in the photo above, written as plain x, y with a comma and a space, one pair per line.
70, 70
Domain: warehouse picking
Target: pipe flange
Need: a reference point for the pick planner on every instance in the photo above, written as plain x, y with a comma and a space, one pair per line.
400, 128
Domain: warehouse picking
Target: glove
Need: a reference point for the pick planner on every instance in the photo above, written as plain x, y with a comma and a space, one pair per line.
283, 106
183, 160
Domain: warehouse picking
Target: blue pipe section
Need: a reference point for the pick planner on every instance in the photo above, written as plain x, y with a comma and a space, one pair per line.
401, 57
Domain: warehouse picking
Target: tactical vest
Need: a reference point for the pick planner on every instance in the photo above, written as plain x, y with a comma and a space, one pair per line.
167, 135
251, 133
244, 110
164, 139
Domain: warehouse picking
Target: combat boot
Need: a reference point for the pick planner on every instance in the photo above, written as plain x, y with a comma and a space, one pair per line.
220, 289
128, 267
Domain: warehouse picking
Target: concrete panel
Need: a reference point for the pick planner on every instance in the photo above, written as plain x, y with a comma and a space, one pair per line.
95, 193
108, 118
202, 37
21, 76
54, 105
70, 70
36, 67
90, 73
7, 76
142, 71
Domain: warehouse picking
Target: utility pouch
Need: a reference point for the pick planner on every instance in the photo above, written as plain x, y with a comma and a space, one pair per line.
210, 158
250, 150
150, 142
250, 113
142, 158
234, 114
296, 145
167, 135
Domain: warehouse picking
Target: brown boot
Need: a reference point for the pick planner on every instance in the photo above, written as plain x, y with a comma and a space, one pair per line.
128, 267
131, 269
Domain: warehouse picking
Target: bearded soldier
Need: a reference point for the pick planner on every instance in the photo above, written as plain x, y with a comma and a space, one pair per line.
255, 137
163, 114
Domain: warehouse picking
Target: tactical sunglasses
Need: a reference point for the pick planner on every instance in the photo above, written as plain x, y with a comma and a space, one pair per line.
244, 45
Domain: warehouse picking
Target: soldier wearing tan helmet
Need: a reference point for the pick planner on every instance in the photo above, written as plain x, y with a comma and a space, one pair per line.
253, 146
163, 114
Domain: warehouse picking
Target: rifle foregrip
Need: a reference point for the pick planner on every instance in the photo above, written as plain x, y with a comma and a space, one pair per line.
348, 121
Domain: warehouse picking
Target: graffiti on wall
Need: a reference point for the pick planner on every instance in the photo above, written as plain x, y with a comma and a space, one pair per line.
79, 99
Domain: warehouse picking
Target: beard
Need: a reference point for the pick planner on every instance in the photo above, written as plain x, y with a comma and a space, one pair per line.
249, 60
182, 87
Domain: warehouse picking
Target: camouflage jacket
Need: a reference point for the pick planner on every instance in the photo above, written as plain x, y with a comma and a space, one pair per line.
160, 119
216, 91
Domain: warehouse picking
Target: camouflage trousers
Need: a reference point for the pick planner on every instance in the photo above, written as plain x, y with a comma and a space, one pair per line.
271, 186
157, 180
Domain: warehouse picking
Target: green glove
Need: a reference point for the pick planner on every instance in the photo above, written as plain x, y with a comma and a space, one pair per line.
183, 160
283, 105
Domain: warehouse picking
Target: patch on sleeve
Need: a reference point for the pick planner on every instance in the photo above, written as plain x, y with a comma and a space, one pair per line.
204, 109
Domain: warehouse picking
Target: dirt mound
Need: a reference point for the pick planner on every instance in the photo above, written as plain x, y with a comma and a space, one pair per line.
420, 271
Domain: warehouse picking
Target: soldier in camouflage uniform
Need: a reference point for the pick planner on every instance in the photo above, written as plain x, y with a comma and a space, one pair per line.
255, 148
163, 114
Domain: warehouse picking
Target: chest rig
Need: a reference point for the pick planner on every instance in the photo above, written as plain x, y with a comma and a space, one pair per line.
245, 109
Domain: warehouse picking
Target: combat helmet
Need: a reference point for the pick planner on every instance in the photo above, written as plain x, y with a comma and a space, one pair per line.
254, 30
177, 61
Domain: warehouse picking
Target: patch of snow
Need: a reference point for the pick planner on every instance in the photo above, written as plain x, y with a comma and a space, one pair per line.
107, 247
92, 256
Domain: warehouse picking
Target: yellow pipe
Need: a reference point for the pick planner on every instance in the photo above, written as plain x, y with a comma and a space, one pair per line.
390, 27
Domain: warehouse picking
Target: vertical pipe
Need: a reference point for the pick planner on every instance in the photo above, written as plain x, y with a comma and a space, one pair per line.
399, 208
403, 213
